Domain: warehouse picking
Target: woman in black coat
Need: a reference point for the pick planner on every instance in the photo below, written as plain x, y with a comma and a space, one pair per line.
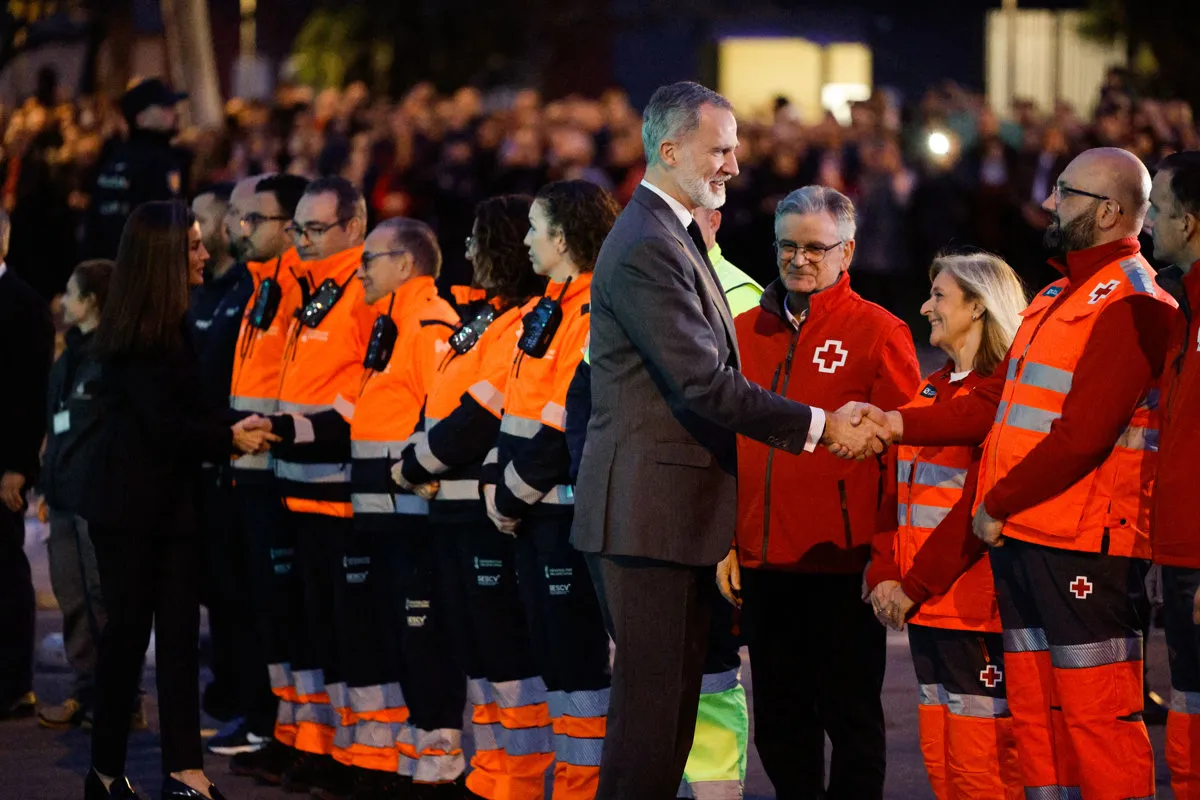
139, 497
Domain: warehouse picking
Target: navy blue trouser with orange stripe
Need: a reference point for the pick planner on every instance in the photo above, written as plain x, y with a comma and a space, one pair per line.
1073, 664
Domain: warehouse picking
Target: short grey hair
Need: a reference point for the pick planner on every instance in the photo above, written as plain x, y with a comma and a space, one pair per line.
674, 111
818, 200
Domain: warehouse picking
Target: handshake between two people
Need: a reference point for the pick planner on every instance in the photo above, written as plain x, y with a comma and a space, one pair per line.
253, 435
860, 430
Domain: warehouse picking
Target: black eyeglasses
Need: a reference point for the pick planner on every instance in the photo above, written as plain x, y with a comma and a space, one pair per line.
813, 253
313, 230
367, 258
1061, 188
253, 220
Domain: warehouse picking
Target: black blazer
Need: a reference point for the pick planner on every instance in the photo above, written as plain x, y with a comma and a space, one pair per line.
26, 350
658, 475
157, 432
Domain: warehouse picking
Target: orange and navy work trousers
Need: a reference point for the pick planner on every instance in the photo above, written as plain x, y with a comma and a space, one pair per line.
510, 716
1183, 647
1073, 667
570, 645
963, 719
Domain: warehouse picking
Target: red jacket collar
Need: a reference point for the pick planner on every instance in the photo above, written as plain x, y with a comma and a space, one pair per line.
820, 303
1083, 264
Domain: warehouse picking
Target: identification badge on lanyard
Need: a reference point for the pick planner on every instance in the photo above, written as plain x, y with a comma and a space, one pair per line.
62, 422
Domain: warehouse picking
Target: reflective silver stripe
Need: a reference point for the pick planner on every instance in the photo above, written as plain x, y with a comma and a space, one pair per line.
903, 470
493, 456
1050, 792
280, 675
317, 714
376, 698
1076, 793
524, 692
1025, 640
555, 416
339, 695
718, 682
488, 396
1012, 369
312, 473
487, 737
440, 768
261, 462
902, 514
372, 503
425, 457
520, 426
1135, 438
303, 408
1096, 654
1000, 408
1150, 401
1185, 702
309, 682
376, 449
410, 504
1043, 376
430, 422
343, 737
939, 476
370, 733
923, 516
254, 405
930, 694
479, 692
517, 485
458, 490
527, 741
1138, 276
406, 766
713, 790
285, 714
977, 706
1030, 418
584, 703
578, 752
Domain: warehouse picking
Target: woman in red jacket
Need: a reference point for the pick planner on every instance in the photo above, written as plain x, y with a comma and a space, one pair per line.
925, 558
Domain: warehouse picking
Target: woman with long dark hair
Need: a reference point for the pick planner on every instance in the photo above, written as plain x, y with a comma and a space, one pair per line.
139, 501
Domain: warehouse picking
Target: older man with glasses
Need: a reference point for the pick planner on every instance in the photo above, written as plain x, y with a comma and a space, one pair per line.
805, 523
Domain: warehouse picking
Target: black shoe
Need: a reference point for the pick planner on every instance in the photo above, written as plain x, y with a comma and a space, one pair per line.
23, 707
239, 740
178, 790
62, 717
120, 789
307, 771
340, 782
266, 765
455, 790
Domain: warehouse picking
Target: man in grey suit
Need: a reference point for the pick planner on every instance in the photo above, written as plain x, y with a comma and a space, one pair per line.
656, 496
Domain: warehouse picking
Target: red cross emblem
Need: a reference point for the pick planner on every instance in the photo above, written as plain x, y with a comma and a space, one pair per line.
829, 356
991, 676
1102, 291
1081, 587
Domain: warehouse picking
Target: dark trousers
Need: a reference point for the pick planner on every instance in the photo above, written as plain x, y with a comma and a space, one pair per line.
659, 616
817, 658
147, 582
76, 582
220, 591
260, 626
1180, 585
16, 610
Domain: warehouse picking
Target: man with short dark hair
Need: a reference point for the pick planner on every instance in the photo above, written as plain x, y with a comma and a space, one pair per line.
26, 350
330, 218
1174, 220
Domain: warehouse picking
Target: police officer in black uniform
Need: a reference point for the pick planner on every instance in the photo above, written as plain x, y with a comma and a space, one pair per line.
139, 169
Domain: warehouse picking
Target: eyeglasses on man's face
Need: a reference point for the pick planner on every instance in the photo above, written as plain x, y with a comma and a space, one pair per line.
1061, 189
787, 250
252, 220
313, 230
369, 258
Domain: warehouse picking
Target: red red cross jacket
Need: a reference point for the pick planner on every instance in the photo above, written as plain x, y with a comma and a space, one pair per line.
813, 512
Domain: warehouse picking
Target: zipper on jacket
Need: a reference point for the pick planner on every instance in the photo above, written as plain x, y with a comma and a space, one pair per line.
845, 513
786, 368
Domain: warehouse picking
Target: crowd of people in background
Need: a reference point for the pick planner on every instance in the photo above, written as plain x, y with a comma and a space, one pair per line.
434, 156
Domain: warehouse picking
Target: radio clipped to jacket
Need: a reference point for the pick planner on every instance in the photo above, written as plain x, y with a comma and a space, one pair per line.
321, 303
541, 323
382, 341
466, 337
266, 301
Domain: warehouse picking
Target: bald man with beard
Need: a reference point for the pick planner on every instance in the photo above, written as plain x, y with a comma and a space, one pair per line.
1071, 426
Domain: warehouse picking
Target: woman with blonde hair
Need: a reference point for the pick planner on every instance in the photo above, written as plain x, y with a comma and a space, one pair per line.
927, 570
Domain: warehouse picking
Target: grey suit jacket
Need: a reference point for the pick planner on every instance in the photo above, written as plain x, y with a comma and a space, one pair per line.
659, 472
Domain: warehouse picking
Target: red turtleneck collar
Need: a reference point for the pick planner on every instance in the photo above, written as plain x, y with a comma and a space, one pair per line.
1083, 264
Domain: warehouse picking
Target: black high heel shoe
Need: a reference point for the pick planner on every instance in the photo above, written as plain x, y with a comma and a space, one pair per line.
178, 790
121, 789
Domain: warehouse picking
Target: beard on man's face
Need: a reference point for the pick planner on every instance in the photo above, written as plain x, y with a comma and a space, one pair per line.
1077, 234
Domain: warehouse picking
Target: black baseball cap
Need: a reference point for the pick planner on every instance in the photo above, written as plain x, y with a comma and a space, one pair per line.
148, 93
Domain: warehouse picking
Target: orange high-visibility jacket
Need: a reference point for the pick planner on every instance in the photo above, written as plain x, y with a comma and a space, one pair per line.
254, 386
322, 371
929, 482
533, 465
1108, 509
390, 403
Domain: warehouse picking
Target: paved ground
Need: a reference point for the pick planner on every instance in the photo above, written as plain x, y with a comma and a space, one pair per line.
42, 765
